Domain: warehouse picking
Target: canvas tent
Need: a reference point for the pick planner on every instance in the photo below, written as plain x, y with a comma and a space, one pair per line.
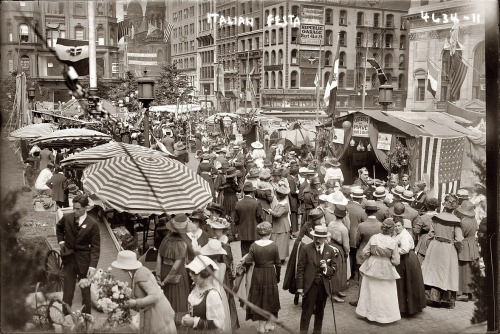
434, 140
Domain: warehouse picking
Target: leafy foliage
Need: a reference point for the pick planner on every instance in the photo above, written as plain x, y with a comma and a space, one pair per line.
126, 87
398, 158
171, 87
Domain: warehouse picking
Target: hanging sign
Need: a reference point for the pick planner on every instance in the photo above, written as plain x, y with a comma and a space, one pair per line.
338, 136
384, 141
360, 126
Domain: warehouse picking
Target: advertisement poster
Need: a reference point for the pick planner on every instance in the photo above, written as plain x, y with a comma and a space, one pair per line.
360, 126
338, 136
311, 34
384, 141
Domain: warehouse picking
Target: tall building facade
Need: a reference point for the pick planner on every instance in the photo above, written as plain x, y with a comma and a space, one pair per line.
430, 26
23, 50
205, 85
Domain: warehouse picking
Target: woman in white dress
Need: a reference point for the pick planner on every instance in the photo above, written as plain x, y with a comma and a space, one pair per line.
378, 296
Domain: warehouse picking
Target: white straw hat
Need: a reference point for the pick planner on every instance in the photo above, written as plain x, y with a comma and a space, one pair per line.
126, 260
200, 262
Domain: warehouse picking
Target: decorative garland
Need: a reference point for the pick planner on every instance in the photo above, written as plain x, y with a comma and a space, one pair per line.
398, 157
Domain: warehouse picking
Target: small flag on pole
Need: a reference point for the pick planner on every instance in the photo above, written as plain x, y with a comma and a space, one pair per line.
432, 78
380, 73
123, 28
167, 30
458, 73
74, 53
330, 97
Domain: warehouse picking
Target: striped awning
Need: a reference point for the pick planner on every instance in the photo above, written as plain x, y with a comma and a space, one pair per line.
33, 131
107, 151
146, 185
72, 138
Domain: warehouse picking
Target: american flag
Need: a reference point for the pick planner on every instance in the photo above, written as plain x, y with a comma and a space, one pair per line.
458, 72
441, 164
167, 30
123, 28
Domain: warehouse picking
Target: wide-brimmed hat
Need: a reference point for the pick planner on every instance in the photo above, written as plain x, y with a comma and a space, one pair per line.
282, 189
215, 207
201, 262
264, 175
178, 223
323, 198
248, 186
447, 217
397, 210
333, 162
206, 156
407, 195
197, 215
264, 228
450, 201
316, 214
315, 180
224, 165
162, 224
397, 190
277, 172
179, 146
380, 192
357, 193
340, 211
267, 163
431, 203
219, 224
126, 260
337, 198
467, 209
231, 172
257, 144
320, 231
462, 194
213, 247
371, 205
253, 173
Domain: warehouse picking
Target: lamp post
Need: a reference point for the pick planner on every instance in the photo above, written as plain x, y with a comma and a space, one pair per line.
146, 94
385, 95
31, 98
206, 102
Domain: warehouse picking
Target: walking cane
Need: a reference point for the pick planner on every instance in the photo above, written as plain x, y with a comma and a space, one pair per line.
333, 307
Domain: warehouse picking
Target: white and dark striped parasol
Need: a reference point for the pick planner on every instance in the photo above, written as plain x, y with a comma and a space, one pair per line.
106, 151
33, 131
72, 138
146, 185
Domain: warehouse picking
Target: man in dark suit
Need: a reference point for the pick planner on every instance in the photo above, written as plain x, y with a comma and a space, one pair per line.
293, 197
79, 239
420, 197
356, 216
248, 213
315, 267
379, 196
56, 184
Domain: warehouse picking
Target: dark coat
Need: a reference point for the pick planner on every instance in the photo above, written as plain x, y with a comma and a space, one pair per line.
356, 215
308, 265
248, 213
366, 230
382, 212
84, 242
293, 196
56, 183
419, 202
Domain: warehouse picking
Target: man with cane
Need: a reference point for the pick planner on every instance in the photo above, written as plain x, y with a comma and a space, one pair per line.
315, 267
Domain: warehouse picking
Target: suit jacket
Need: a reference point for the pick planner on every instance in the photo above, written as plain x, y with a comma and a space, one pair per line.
56, 183
84, 242
419, 202
382, 212
308, 265
366, 230
248, 213
281, 218
293, 196
356, 215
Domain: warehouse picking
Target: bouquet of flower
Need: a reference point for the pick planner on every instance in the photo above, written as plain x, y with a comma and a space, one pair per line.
112, 297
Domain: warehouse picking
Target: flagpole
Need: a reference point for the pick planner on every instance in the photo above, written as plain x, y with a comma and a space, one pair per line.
363, 92
319, 78
92, 50
438, 67
248, 77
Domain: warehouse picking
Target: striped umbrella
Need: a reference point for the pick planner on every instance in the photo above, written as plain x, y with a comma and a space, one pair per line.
106, 151
72, 138
33, 131
146, 185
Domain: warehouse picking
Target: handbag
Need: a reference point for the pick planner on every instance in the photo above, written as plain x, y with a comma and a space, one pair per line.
172, 279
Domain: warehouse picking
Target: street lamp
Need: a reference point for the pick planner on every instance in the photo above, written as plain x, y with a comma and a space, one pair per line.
385, 95
146, 94
31, 97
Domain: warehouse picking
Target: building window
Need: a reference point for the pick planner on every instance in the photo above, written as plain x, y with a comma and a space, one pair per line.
280, 35
389, 23
280, 78
359, 39
112, 36
25, 64
100, 36
51, 37
55, 7
342, 62
479, 75
376, 20
401, 81
266, 58
343, 18
79, 33
388, 41
361, 19
402, 42
329, 37
374, 81
100, 8
376, 42
294, 80
266, 80
266, 16
444, 92
266, 38
79, 9
295, 10
388, 61
424, 2
280, 57
273, 37
294, 56
341, 79
343, 38
420, 90
23, 33
257, 43
273, 57
401, 64
295, 35
328, 58
360, 59
329, 16
243, 46
273, 80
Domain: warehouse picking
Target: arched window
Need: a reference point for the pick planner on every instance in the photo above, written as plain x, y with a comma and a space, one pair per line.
401, 63
266, 16
273, 57
9, 31
294, 56
342, 62
343, 38
280, 78
360, 59
389, 22
329, 37
266, 58
329, 16
359, 39
295, 10
479, 75
401, 81
280, 12
328, 58
280, 35
402, 42
266, 80
23, 33
266, 37
376, 20
273, 37
343, 18
294, 80
273, 80
295, 35
376, 41
388, 40
389, 78
273, 12
388, 61
112, 35
100, 8
341, 80
280, 57
361, 19
25, 64
100, 36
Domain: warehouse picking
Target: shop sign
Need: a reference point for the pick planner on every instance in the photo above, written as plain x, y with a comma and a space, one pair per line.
312, 15
338, 136
360, 126
311, 34
384, 141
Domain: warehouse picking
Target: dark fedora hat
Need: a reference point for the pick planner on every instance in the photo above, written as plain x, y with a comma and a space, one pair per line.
215, 207
340, 211
371, 205
248, 186
315, 214
467, 209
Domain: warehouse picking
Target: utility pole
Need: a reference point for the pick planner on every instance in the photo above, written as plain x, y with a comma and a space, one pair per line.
319, 78
92, 50
363, 92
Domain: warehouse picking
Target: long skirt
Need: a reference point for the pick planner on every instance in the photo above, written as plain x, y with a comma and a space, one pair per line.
440, 267
339, 280
263, 293
282, 240
378, 300
465, 276
411, 290
229, 203
177, 294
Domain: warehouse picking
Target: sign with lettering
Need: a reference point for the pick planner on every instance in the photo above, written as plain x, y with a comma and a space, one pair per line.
384, 141
312, 15
338, 136
311, 34
360, 126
